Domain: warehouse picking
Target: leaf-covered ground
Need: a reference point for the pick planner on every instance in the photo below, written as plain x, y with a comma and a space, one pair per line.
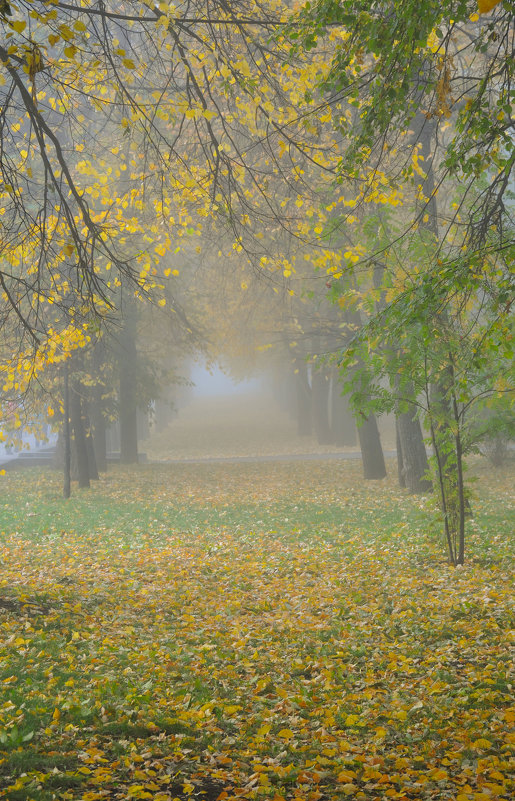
269, 631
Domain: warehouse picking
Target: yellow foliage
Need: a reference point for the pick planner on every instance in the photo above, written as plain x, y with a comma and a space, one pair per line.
484, 6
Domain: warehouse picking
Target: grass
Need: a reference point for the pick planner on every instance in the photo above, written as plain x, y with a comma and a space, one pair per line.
275, 630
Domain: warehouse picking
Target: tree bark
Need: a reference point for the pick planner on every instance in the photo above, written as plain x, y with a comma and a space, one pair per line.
411, 454
371, 449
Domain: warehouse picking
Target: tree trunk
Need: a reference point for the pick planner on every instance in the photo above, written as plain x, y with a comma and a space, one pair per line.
371, 449
99, 432
320, 396
304, 414
127, 401
66, 436
411, 453
98, 421
90, 449
400, 463
79, 452
368, 433
343, 425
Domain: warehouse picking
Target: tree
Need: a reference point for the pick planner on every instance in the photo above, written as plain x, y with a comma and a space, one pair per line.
123, 131
430, 86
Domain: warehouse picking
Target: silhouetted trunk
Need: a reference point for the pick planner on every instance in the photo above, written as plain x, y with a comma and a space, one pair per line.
66, 436
98, 422
304, 416
371, 449
400, 463
127, 401
368, 433
90, 449
99, 432
343, 425
80, 466
320, 396
411, 454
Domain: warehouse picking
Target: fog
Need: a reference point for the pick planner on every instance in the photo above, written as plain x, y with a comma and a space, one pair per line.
213, 382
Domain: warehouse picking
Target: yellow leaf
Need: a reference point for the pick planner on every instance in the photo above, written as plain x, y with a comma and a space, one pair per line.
69, 51
439, 775
482, 743
286, 734
19, 25
484, 6
346, 776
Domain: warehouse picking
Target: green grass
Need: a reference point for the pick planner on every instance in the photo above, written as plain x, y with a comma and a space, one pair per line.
196, 626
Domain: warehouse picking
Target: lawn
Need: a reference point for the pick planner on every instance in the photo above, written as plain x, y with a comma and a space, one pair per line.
255, 630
